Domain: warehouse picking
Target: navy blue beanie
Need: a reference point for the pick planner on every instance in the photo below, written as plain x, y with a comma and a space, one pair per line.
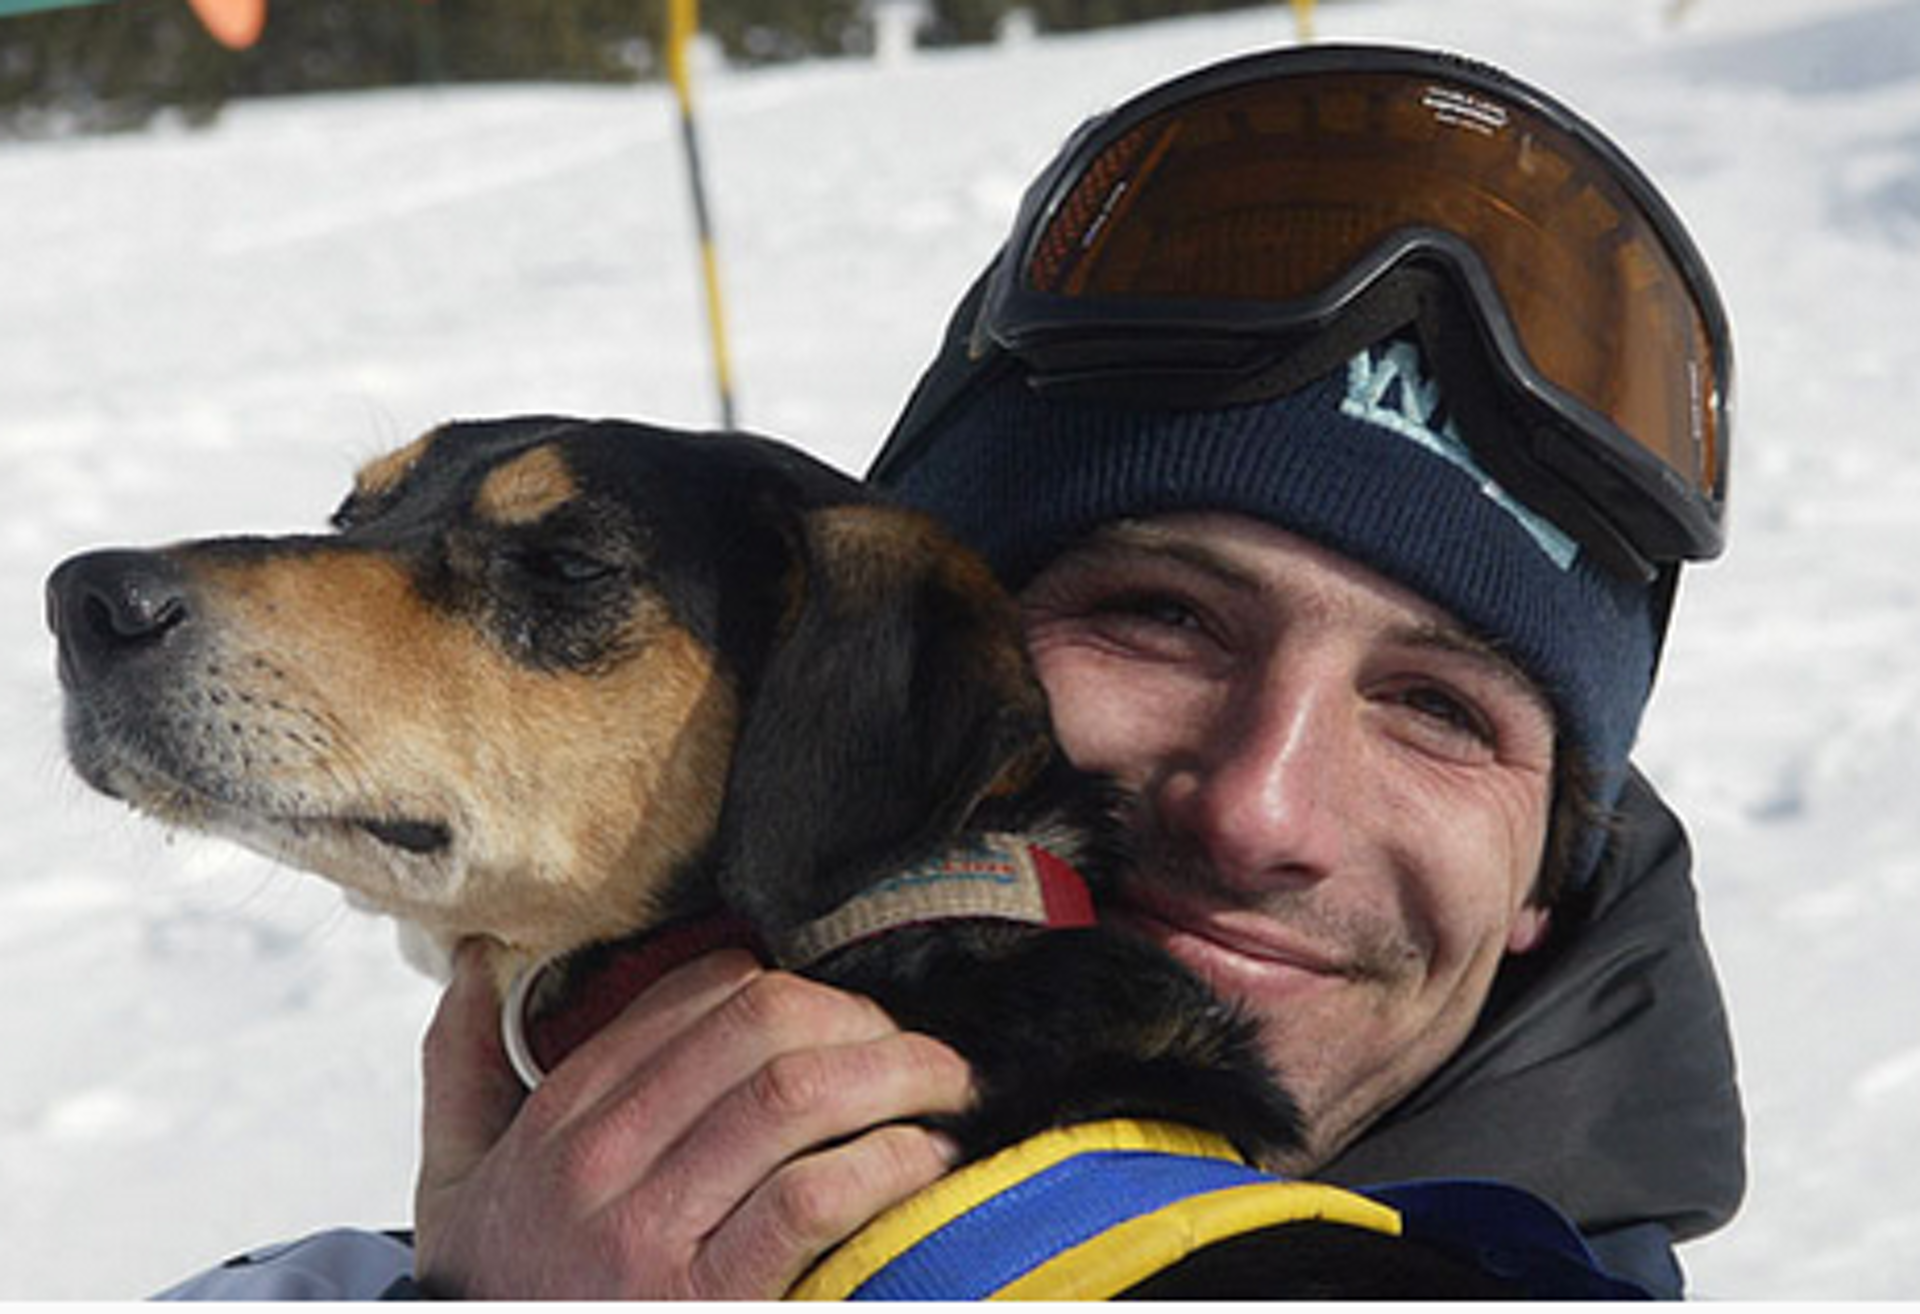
1362, 461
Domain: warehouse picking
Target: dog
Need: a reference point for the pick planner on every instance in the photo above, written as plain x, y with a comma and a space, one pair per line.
558, 684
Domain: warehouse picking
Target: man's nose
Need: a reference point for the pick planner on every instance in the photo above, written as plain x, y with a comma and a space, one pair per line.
1267, 786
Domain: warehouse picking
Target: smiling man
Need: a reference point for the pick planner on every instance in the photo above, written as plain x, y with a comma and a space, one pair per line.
1370, 707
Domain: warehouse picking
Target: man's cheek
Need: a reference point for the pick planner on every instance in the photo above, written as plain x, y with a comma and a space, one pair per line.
1070, 701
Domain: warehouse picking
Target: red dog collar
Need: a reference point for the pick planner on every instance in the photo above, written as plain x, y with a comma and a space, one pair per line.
997, 877
539, 1031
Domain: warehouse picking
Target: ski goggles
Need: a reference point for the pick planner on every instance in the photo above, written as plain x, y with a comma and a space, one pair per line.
1221, 238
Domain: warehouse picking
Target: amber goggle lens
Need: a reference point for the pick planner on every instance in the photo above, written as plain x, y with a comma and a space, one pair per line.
1272, 193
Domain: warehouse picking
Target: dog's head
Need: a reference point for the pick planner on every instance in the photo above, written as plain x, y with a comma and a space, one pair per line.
547, 677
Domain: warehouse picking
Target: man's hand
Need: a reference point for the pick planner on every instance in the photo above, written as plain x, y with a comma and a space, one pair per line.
732, 1126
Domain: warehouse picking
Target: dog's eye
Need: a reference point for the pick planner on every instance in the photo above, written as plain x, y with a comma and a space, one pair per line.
550, 565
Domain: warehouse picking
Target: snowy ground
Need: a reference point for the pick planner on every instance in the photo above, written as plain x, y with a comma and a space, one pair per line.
208, 331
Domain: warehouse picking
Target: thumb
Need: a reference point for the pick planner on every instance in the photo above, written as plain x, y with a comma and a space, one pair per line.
471, 1092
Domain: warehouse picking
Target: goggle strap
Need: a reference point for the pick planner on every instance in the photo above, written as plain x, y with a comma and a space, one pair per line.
1429, 299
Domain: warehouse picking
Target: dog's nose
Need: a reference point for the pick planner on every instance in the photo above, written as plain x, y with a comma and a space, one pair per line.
103, 606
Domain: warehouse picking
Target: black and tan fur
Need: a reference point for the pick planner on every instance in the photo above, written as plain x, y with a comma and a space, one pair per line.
553, 682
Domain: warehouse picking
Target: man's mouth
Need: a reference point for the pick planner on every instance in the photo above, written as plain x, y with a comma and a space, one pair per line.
1234, 950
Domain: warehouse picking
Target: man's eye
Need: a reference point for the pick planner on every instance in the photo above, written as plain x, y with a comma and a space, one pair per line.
1444, 711
1153, 609
1155, 626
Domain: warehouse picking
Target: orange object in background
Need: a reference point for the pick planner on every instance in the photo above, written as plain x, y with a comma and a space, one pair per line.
235, 24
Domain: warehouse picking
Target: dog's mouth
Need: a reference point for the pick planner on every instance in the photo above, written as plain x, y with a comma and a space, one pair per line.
153, 774
198, 807
218, 811
423, 838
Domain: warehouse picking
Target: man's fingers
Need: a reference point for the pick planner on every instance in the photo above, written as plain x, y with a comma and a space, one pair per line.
663, 1012
815, 1203
470, 1092
796, 1101
656, 1099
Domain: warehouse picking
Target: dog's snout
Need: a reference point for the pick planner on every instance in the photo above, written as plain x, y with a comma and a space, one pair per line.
105, 605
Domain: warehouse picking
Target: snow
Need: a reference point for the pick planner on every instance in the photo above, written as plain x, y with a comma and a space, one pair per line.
207, 331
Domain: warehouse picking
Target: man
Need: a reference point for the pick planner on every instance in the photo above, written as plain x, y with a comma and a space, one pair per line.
1349, 550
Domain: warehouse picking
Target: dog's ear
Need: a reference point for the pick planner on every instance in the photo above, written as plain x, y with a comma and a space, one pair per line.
898, 695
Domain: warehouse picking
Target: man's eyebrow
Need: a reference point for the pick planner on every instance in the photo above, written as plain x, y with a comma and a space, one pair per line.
1456, 641
1140, 540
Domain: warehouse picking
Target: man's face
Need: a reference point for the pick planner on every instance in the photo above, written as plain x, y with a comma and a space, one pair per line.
1343, 796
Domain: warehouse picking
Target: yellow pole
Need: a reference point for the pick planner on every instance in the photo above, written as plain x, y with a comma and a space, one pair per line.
683, 20
1303, 18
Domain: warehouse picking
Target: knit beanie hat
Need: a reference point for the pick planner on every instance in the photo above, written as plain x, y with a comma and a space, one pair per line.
1363, 460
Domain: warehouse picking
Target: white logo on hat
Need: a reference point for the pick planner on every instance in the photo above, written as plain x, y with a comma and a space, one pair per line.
1409, 411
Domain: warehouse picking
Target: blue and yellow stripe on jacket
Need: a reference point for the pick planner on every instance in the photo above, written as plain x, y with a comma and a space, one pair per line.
1087, 1212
